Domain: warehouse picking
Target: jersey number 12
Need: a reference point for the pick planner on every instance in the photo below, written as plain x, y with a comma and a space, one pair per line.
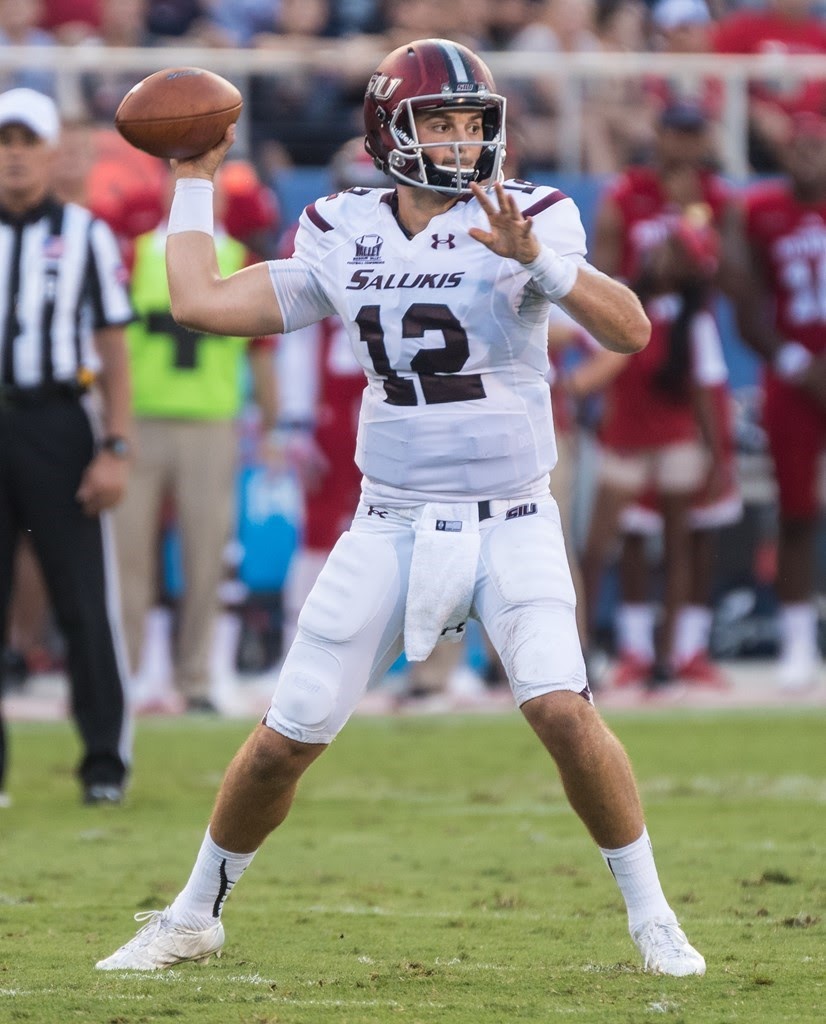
438, 369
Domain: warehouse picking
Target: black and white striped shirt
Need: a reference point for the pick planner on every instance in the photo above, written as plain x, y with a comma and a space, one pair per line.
61, 279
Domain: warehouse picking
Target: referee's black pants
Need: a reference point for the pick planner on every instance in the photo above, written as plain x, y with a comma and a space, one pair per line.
45, 445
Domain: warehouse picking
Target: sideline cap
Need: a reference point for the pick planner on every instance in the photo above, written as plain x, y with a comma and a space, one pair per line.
32, 109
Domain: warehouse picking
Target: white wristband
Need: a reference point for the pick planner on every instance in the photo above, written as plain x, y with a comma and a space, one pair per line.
554, 274
791, 359
192, 207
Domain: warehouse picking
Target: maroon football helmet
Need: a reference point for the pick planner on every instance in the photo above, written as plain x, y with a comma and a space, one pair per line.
430, 74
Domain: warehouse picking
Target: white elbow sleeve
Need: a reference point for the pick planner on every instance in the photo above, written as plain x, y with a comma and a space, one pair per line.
553, 274
301, 298
192, 207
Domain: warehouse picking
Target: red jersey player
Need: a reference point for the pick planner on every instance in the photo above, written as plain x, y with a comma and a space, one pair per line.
658, 230
781, 312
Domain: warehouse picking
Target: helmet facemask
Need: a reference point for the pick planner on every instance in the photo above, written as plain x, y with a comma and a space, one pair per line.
410, 163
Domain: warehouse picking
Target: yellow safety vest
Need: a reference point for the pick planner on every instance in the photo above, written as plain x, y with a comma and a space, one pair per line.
176, 372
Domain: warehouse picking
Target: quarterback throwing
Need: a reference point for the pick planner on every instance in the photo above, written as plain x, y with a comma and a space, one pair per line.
444, 284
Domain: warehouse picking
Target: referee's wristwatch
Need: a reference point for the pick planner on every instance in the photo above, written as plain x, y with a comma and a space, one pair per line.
117, 446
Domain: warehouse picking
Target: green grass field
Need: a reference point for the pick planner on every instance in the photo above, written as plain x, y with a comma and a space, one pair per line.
431, 871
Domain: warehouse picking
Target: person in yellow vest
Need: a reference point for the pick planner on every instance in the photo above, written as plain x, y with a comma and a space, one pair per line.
188, 390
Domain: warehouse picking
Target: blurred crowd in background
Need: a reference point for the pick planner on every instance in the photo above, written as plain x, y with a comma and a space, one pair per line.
300, 117
308, 119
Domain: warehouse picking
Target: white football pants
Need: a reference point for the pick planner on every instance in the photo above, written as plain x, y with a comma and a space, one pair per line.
351, 628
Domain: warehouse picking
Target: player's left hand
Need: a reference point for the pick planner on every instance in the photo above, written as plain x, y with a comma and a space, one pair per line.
103, 483
511, 235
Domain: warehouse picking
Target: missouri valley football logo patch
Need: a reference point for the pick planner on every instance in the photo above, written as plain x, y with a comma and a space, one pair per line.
368, 249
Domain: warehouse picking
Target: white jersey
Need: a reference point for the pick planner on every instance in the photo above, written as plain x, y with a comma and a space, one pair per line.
452, 339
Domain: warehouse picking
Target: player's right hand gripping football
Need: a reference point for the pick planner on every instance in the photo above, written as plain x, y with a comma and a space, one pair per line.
205, 164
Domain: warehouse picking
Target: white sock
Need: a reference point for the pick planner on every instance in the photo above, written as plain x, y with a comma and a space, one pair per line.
798, 632
635, 630
214, 874
692, 632
634, 869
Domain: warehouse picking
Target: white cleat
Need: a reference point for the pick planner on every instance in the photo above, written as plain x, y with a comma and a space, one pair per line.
666, 950
162, 943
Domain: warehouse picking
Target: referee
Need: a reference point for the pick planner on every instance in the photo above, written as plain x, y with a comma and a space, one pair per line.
64, 444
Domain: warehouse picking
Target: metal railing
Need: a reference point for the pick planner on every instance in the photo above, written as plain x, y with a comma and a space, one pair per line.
354, 59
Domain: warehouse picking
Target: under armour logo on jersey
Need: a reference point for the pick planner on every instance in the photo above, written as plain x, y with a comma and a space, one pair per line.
454, 631
380, 512
521, 510
450, 241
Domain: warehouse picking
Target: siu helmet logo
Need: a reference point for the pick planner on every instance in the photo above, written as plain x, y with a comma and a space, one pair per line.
381, 87
368, 249
450, 241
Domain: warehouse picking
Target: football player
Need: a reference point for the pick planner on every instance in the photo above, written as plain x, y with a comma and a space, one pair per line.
664, 427
781, 313
445, 284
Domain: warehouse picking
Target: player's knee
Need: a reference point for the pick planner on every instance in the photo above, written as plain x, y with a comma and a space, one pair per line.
563, 720
272, 758
306, 692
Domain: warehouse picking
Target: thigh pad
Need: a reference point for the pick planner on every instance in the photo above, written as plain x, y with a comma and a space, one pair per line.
526, 560
358, 580
351, 608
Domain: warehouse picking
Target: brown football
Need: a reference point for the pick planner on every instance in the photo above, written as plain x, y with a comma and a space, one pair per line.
178, 113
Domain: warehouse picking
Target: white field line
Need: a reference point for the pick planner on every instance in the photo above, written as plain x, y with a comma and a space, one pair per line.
484, 804
778, 787
15, 993
435, 914
389, 1004
251, 979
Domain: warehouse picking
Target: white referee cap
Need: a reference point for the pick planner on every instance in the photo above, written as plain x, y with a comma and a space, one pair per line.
32, 109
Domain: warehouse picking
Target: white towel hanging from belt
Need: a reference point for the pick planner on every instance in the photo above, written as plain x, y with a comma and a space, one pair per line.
442, 576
